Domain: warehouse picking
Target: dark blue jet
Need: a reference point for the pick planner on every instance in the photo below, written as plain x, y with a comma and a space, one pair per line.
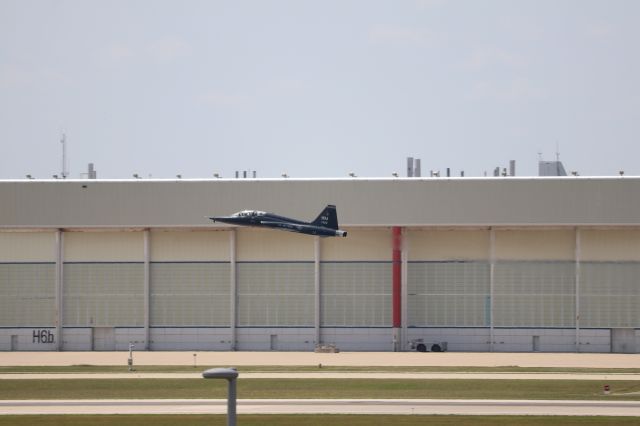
325, 225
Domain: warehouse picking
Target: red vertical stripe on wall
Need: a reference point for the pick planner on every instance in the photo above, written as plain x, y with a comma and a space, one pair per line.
397, 276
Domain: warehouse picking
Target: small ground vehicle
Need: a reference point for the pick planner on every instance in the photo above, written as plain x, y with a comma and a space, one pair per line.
421, 345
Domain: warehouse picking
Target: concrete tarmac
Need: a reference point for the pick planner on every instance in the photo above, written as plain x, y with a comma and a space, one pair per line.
405, 359
326, 406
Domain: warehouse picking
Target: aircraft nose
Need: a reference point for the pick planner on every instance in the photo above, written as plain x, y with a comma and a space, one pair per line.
223, 219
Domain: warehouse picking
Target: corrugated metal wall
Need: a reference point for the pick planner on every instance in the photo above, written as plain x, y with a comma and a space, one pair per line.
534, 278
100, 294
27, 279
610, 278
275, 294
610, 294
449, 281
534, 294
356, 294
448, 293
190, 294
27, 294
355, 280
275, 276
103, 279
189, 279
448, 278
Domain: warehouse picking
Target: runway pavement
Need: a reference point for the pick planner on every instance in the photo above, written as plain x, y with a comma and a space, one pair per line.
326, 406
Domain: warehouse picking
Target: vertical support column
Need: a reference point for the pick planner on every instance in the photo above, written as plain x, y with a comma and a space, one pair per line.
396, 294
492, 264
578, 255
317, 290
233, 284
59, 256
405, 290
231, 402
147, 289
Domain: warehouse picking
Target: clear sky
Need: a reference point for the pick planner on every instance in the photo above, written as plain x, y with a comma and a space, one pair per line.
318, 88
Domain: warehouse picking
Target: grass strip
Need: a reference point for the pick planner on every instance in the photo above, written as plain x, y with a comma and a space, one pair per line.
318, 388
313, 420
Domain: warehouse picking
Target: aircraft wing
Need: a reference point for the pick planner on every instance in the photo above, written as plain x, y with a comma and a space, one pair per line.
281, 224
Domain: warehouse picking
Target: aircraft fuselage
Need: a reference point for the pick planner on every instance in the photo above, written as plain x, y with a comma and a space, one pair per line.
326, 225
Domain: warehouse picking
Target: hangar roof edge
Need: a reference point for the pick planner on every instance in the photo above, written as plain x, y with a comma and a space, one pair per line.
337, 179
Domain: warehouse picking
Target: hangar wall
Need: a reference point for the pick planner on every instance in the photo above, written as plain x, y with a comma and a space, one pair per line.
542, 286
477, 289
409, 202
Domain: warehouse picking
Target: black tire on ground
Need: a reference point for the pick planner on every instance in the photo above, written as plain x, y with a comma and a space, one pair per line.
421, 347
436, 348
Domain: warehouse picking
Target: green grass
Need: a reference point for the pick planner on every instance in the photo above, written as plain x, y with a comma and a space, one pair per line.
314, 420
317, 388
86, 368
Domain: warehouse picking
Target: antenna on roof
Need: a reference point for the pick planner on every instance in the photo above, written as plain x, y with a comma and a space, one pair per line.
65, 171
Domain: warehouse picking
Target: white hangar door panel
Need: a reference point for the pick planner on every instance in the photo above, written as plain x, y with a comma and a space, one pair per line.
104, 339
623, 340
103, 279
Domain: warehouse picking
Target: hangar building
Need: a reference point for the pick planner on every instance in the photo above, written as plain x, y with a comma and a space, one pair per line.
483, 264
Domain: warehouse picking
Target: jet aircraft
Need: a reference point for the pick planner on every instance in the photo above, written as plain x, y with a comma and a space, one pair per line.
325, 225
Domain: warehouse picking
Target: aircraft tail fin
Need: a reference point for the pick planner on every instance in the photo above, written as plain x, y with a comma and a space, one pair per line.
328, 218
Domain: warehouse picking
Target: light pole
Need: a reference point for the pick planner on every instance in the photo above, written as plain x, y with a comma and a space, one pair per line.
230, 374
130, 360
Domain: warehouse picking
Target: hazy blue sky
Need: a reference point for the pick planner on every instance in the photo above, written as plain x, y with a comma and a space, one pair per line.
318, 88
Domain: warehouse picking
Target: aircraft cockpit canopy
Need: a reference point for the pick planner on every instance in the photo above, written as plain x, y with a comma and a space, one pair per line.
248, 213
